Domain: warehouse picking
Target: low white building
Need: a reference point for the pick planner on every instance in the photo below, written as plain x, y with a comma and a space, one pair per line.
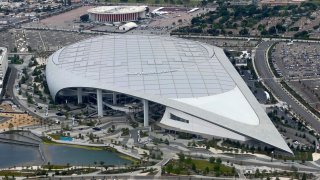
128, 26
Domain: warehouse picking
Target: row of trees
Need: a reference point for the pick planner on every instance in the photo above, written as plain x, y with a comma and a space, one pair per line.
229, 20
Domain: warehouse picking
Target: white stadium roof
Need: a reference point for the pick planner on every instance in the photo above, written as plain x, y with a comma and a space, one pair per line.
188, 76
117, 9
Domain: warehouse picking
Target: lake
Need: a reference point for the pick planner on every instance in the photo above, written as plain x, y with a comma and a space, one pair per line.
63, 154
17, 155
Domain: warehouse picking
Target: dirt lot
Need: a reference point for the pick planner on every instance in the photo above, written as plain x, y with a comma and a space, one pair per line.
66, 18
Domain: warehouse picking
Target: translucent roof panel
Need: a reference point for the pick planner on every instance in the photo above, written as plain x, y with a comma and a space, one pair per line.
169, 67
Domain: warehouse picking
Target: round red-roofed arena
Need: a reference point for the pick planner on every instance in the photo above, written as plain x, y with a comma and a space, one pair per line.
117, 13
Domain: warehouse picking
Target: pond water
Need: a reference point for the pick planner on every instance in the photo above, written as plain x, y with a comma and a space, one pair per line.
17, 155
64, 138
61, 154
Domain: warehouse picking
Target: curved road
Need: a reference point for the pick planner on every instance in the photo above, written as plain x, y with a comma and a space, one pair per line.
10, 88
267, 77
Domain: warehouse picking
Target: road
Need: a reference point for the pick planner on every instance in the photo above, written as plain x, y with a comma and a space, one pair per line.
266, 75
248, 38
10, 88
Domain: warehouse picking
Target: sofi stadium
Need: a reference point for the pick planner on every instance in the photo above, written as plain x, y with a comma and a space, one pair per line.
173, 83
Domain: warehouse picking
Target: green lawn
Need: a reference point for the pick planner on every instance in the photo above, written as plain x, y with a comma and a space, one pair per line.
200, 167
202, 164
55, 136
15, 173
307, 156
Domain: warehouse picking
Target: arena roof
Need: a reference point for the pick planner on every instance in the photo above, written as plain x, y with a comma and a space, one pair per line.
189, 76
168, 67
117, 9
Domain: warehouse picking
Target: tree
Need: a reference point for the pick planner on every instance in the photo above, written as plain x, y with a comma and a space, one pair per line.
216, 168
219, 161
244, 32
30, 99
10, 126
302, 34
166, 142
181, 156
272, 30
206, 170
194, 168
84, 18
212, 160
169, 168
204, 2
101, 163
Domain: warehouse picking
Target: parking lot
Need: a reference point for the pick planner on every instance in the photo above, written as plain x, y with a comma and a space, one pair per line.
53, 40
7, 40
298, 60
299, 64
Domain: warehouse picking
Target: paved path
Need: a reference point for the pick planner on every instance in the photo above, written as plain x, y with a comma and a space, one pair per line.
267, 77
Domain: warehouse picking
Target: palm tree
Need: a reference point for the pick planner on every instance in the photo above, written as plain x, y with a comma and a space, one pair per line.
101, 163
10, 126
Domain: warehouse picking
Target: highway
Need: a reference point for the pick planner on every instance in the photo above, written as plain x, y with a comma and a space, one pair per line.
267, 78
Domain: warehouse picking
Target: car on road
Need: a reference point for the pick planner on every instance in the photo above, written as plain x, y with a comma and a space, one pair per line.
96, 128
59, 114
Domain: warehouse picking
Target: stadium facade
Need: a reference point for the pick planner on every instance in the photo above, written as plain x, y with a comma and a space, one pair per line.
177, 84
117, 13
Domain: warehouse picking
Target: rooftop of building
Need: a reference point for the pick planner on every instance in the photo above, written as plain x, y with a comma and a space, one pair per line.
117, 9
3, 50
169, 67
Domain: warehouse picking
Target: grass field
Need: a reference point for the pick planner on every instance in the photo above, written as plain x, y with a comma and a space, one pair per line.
10, 173
202, 164
197, 166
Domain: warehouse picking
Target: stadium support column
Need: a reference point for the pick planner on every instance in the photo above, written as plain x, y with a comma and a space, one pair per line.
99, 102
114, 98
79, 95
145, 113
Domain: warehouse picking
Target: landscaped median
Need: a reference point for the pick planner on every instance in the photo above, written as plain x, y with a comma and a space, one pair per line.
42, 171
